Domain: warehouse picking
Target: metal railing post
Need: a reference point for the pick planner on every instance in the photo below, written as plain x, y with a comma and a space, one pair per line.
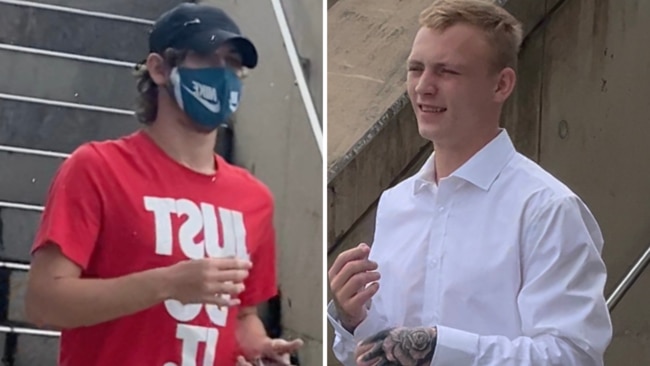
629, 280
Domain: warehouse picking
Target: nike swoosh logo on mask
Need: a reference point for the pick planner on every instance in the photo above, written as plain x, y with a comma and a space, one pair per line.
211, 106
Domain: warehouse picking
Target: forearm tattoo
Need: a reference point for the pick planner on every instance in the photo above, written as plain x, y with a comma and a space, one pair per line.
401, 347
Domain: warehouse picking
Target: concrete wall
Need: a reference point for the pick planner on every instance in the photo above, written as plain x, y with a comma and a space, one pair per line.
580, 109
587, 84
273, 139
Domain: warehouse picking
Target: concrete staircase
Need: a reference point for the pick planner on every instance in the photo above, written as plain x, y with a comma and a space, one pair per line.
65, 78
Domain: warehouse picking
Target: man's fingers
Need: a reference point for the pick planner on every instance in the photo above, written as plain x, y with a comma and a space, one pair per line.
375, 352
229, 288
230, 263
350, 271
232, 275
361, 251
358, 284
362, 349
379, 336
362, 297
221, 301
385, 362
281, 346
277, 360
241, 361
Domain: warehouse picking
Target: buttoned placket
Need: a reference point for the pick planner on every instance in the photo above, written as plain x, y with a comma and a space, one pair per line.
440, 199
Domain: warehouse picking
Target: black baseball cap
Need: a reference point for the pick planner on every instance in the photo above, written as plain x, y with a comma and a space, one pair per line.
200, 28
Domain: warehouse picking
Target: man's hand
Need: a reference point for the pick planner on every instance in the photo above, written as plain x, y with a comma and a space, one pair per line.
275, 352
208, 280
278, 351
398, 347
241, 361
349, 278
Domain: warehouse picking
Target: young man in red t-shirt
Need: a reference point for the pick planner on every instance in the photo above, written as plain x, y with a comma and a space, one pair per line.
152, 249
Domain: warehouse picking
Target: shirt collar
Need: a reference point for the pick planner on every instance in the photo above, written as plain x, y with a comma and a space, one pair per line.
426, 175
484, 167
481, 170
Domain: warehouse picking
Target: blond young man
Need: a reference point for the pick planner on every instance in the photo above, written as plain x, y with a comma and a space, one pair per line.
485, 258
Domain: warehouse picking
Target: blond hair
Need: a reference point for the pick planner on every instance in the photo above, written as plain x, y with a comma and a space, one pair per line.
503, 31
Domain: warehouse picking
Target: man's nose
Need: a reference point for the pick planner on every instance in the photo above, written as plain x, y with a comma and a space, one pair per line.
427, 84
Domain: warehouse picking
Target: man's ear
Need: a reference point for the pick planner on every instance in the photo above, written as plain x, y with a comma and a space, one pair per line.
158, 69
505, 85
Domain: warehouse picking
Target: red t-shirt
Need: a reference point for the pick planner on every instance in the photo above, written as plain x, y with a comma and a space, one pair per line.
123, 206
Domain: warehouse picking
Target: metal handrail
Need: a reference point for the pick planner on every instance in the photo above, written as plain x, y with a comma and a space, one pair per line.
301, 81
30, 331
629, 280
21, 206
66, 9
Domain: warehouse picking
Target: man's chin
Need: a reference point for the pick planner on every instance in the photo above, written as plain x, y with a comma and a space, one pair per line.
200, 128
429, 131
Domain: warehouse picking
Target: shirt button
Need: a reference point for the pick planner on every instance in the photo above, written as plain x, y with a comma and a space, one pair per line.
441, 209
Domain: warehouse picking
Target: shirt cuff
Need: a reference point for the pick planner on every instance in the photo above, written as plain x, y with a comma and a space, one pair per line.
345, 343
366, 328
455, 347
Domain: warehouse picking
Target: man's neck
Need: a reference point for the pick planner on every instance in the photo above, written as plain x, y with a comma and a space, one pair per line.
449, 157
193, 149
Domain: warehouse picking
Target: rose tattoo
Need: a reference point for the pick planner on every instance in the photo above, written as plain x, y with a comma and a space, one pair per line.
400, 347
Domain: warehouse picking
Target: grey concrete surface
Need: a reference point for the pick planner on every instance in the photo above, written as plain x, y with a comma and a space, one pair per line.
594, 137
66, 80
273, 139
631, 344
137, 9
17, 230
29, 177
27, 356
522, 112
305, 19
17, 288
368, 44
387, 150
73, 33
46, 127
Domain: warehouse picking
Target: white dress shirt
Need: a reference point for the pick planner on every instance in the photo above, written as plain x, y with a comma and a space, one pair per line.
500, 256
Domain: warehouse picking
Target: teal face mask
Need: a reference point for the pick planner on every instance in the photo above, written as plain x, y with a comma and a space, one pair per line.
208, 96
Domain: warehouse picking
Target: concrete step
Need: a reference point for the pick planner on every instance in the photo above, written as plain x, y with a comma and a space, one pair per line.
15, 310
17, 287
73, 33
138, 9
66, 80
17, 230
33, 350
61, 129
29, 179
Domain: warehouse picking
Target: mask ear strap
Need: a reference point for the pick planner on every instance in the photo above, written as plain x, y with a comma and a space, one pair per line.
174, 87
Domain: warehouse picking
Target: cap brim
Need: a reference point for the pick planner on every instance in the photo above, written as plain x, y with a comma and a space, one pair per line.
209, 41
